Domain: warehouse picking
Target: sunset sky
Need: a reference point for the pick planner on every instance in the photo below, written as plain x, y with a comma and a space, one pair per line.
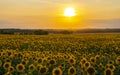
49, 14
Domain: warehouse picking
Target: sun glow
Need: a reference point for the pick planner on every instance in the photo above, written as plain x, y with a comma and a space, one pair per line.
69, 12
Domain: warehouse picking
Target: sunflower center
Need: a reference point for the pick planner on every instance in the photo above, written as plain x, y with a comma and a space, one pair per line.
57, 72
20, 67
43, 70
108, 72
72, 70
90, 70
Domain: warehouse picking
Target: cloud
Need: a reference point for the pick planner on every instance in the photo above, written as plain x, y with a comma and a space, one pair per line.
112, 23
3, 22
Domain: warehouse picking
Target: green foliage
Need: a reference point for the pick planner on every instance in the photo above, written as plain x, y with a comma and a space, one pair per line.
40, 32
6, 32
66, 32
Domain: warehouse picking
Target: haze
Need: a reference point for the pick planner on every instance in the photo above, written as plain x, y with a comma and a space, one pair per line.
48, 14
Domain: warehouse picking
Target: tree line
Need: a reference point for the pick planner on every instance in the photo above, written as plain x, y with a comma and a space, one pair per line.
56, 31
15, 31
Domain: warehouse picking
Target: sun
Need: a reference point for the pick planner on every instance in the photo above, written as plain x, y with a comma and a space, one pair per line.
69, 12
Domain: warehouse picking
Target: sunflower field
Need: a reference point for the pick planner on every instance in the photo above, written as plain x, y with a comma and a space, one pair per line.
73, 54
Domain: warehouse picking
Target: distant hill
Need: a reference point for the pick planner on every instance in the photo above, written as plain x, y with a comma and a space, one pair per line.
98, 31
23, 31
57, 31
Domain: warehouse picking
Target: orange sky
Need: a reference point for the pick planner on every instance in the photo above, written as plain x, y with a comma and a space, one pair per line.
48, 14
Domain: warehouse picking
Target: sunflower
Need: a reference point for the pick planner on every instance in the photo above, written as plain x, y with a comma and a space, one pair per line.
87, 64
50, 52
8, 73
108, 71
24, 62
0, 63
9, 53
6, 65
29, 73
40, 60
57, 71
0, 54
110, 62
72, 71
72, 61
81, 73
19, 54
97, 57
4, 53
91, 71
111, 66
7, 60
20, 67
83, 68
63, 65
45, 59
52, 62
38, 67
43, 70
101, 66
83, 60
62, 68
118, 60
65, 56
92, 60
107, 65
31, 68
80, 64
11, 69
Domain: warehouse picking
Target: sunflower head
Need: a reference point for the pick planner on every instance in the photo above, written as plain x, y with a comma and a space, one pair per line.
40, 60
118, 60
57, 71
43, 70
38, 67
112, 67
7, 60
52, 62
31, 68
8, 73
72, 71
20, 67
108, 71
91, 71
0, 63
11, 69
24, 62
110, 62
97, 57
92, 60
6, 65
63, 65
101, 66
9, 53
83, 60
87, 64
72, 61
